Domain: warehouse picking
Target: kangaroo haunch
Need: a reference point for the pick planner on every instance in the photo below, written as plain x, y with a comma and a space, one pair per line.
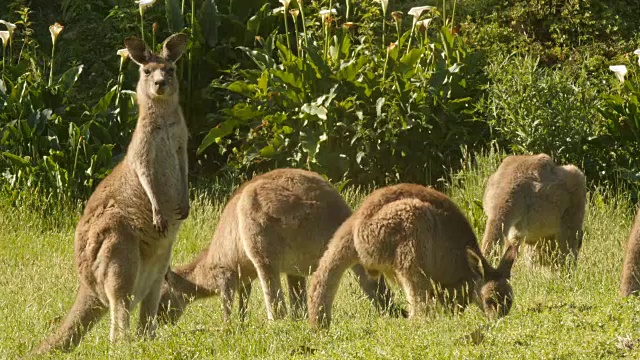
279, 222
418, 236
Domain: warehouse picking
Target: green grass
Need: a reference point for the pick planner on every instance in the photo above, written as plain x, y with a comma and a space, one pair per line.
556, 315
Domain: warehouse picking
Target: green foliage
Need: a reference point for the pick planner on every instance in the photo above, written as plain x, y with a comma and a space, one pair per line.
621, 113
50, 145
535, 109
346, 107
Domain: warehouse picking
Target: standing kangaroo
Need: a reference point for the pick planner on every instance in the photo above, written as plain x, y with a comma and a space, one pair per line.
418, 236
532, 199
630, 283
123, 240
279, 222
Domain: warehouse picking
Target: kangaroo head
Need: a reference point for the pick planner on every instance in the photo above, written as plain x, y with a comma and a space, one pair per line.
493, 292
157, 71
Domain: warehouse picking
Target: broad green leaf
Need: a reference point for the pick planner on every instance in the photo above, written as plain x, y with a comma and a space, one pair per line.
317, 110
241, 88
174, 15
15, 159
69, 78
223, 129
261, 59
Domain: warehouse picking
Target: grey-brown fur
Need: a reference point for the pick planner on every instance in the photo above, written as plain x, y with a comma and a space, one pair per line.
531, 199
630, 283
123, 240
279, 222
418, 236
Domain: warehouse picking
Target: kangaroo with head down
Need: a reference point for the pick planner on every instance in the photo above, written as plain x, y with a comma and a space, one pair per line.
630, 282
124, 239
418, 236
279, 222
531, 199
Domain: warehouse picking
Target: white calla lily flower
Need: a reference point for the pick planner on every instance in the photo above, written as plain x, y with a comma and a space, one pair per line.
637, 52
385, 5
325, 13
4, 35
124, 53
55, 30
285, 3
620, 71
10, 27
424, 23
417, 11
145, 3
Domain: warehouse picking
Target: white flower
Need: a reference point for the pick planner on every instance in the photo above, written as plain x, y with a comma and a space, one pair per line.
417, 11
145, 3
4, 35
424, 23
637, 52
385, 5
326, 13
55, 30
285, 3
11, 27
620, 71
124, 53
278, 10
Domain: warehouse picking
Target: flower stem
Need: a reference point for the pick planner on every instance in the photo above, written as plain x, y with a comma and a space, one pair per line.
295, 28
142, 23
304, 27
384, 23
398, 31
53, 52
453, 14
411, 37
286, 30
4, 50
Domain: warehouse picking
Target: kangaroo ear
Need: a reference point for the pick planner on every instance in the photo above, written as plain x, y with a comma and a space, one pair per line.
475, 263
173, 47
138, 51
504, 269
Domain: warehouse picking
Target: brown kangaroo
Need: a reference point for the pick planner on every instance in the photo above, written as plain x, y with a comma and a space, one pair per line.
418, 236
531, 199
279, 222
630, 283
123, 240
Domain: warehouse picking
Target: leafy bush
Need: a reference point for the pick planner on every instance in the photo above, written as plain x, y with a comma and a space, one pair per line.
339, 103
51, 145
621, 112
535, 109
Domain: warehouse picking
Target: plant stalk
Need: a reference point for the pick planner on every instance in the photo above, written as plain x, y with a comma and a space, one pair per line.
53, 52
286, 30
142, 23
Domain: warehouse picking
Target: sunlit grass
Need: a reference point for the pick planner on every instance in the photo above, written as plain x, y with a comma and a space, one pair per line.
556, 315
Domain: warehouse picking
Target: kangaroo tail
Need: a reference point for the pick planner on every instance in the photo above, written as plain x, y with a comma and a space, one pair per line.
86, 310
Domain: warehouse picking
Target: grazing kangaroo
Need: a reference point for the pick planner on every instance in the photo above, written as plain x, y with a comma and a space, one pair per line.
630, 283
279, 222
123, 240
418, 236
532, 199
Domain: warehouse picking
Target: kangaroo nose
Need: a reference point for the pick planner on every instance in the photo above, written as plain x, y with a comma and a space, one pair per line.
161, 82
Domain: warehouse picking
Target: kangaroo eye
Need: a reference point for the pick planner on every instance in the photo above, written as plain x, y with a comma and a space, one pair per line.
147, 72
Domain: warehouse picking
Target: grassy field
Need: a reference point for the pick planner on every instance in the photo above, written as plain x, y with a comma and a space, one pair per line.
566, 315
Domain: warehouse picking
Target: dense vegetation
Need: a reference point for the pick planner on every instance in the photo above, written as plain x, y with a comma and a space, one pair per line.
366, 93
